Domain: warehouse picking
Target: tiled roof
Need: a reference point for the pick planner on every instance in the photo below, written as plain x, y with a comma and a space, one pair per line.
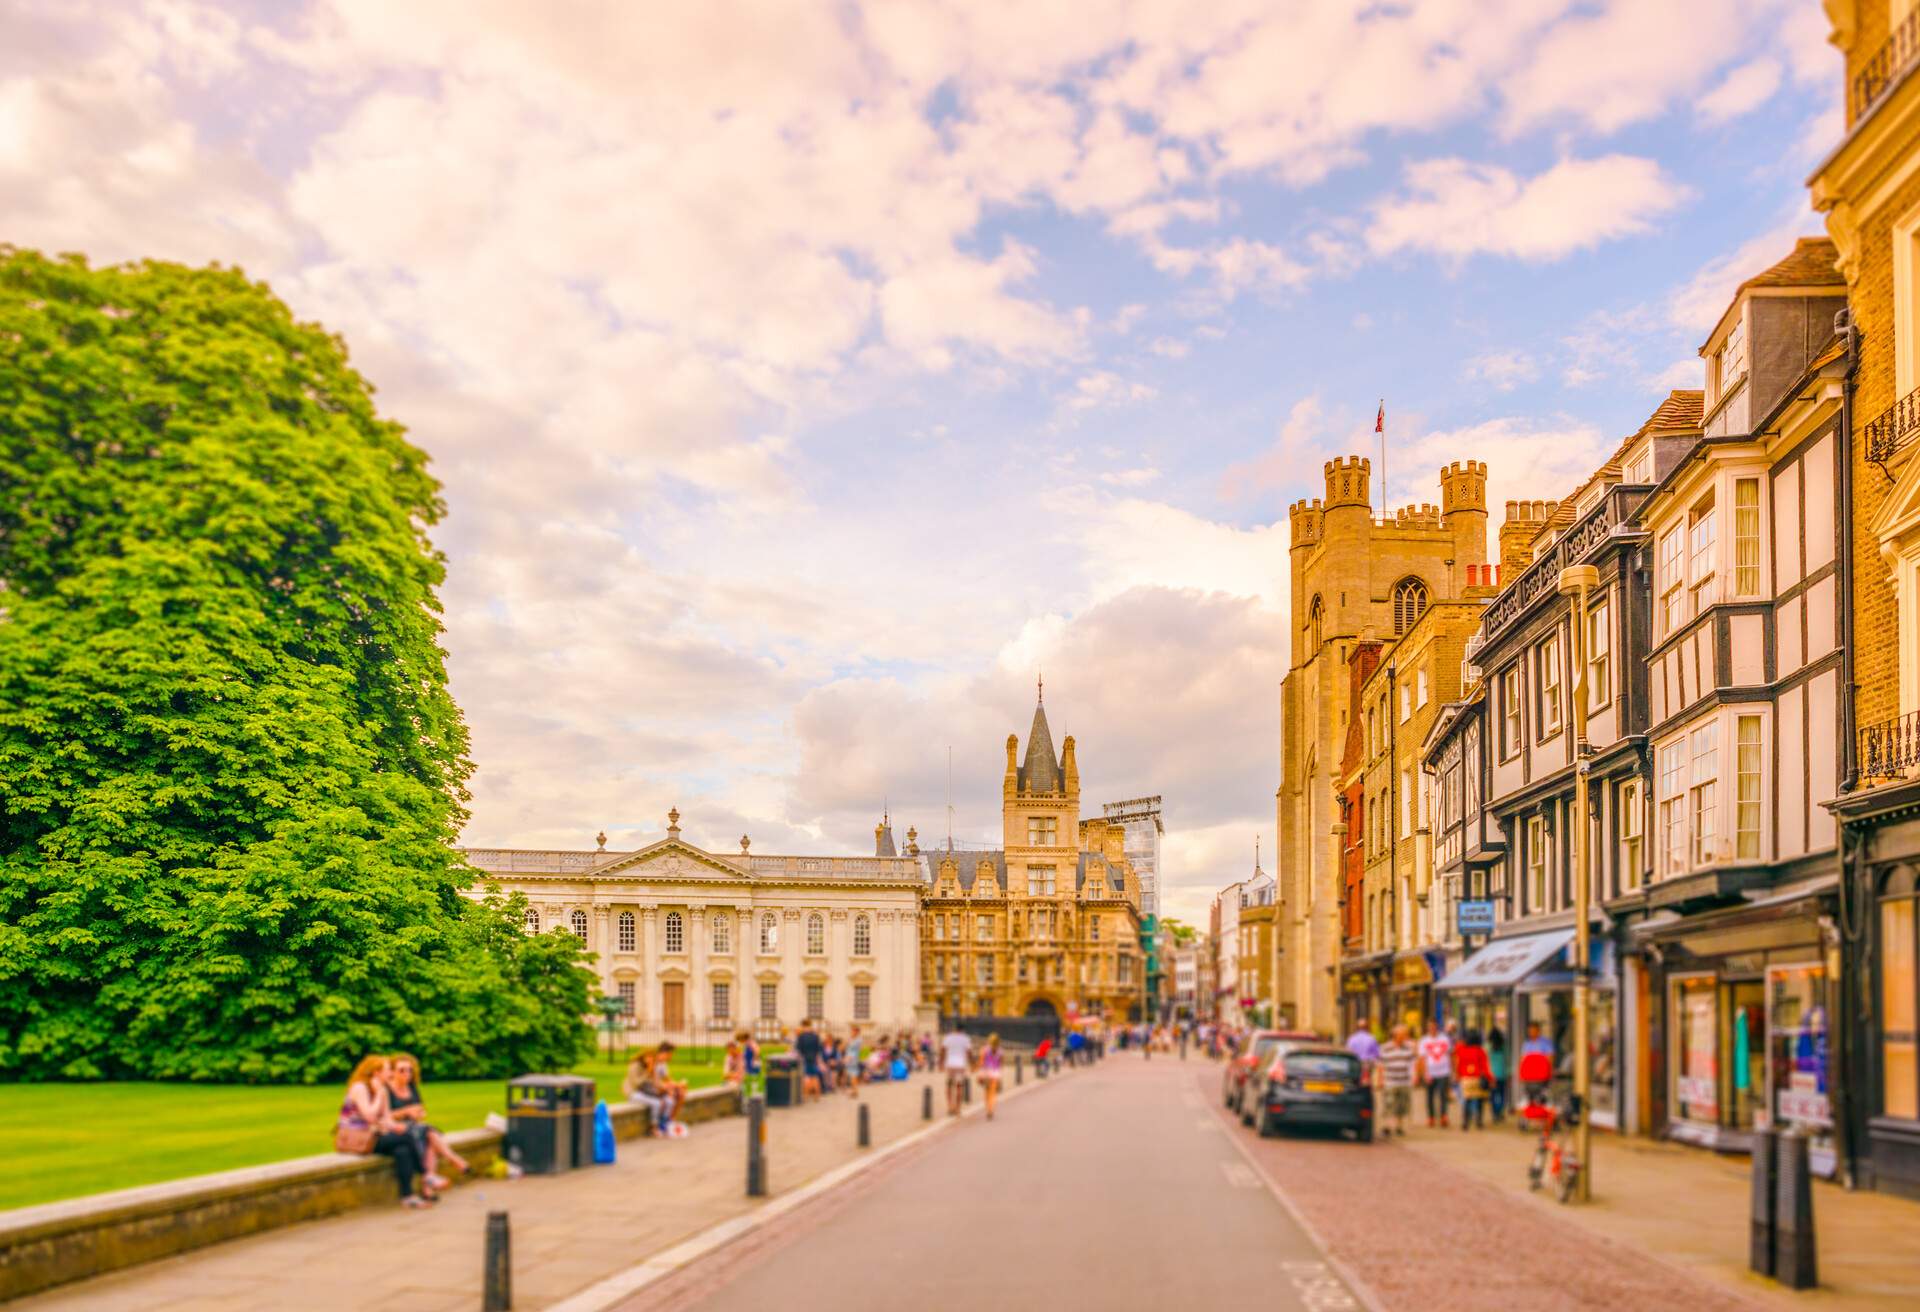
1814, 263
1683, 408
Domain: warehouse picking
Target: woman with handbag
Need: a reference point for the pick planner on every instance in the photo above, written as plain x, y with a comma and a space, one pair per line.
404, 1104
367, 1126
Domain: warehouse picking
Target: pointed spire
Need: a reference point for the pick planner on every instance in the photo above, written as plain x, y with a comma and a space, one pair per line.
1041, 773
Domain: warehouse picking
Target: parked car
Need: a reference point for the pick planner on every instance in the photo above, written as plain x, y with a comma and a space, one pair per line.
1254, 1053
1314, 1085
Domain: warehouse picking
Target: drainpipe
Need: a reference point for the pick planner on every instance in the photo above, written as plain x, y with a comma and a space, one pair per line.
1855, 1002
1843, 567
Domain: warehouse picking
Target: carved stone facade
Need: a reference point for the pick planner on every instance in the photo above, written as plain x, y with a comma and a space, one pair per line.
700, 943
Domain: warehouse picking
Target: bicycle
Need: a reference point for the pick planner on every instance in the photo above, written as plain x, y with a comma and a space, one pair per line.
1554, 1157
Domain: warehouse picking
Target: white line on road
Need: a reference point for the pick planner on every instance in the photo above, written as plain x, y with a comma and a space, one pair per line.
1206, 1123
1240, 1175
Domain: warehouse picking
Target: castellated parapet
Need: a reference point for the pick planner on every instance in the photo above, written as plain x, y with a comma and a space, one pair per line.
1348, 482
1463, 486
1424, 515
1305, 519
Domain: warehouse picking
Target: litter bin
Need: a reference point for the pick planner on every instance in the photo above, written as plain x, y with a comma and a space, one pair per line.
783, 1080
581, 1095
540, 1123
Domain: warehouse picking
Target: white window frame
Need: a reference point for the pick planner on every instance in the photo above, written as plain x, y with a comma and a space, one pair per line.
673, 937
769, 1000
624, 934
720, 993
1512, 720
1704, 846
1633, 834
629, 994
577, 922
1748, 580
769, 933
1669, 606
531, 920
1599, 688
816, 1002
1703, 552
1537, 881
721, 934
863, 1002
816, 934
1747, 809
1547, 666
862, 935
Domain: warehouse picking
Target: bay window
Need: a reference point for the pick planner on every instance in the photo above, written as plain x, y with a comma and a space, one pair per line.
1672, 574
1631, 831
1703, 746
1673, 819
1746, 537
1700, 555
1746, 787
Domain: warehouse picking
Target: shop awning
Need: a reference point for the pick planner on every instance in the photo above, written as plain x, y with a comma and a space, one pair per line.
1505, 962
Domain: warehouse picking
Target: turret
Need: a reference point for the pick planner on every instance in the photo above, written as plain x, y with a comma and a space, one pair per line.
1069, 767
1524, 521
1011, 784
1303, 517
1348, 483
1463, 505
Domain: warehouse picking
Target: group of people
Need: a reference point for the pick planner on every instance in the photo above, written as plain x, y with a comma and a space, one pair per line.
830, 1063
1443, 1062
383, 1112
650, 1083
960, 1062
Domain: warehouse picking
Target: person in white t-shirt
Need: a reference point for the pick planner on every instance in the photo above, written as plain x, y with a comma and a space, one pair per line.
1436, 1071
956, 1059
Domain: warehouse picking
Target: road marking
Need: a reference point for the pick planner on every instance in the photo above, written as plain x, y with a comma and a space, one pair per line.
1240, 1175
1319, 1288
1206, 1123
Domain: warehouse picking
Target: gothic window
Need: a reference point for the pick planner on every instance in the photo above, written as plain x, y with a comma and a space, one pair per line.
676, 933
722, 933
625, 931
532, 920
862, 937
769, 933
816, 934
1316, 625
1409, 602
579, 922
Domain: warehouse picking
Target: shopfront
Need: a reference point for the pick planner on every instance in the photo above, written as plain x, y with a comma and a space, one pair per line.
1747, 1002
1525, 979
1545, 998
1365, 984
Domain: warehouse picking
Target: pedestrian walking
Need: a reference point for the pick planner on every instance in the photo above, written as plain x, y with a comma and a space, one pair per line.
1499, 1070
1473, 1074
1362, 1044
1396, 1065
1436, 1071
990, 1073
1536, 1066
957, 1050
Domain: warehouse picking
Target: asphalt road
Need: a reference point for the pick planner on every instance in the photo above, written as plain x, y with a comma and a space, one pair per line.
1116, 1186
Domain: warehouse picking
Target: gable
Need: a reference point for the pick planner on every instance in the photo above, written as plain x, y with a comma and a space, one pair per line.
671, 858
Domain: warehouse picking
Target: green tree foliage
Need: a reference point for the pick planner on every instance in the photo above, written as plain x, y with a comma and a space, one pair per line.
231, 774
1177, 932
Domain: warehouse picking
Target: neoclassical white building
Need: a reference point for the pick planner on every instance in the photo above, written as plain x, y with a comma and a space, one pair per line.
698, 944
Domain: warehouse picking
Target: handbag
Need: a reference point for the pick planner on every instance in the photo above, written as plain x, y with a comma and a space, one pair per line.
356, 1140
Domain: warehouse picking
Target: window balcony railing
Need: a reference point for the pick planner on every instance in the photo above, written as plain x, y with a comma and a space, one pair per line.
1890, 749
1887, 65
1893, 429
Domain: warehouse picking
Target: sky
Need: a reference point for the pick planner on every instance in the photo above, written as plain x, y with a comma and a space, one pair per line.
807, 377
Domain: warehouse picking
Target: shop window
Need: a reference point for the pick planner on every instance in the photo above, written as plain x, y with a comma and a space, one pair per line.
1696, 1057
1799, 1051
1746, 537
1746, 787
1899, 1008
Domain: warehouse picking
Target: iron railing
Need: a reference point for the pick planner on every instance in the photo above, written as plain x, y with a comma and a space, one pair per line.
1896, 426
1894, 57
1890, 749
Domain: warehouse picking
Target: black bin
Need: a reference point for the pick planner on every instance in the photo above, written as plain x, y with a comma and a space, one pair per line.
540, 1123
783, 1080
581, 1095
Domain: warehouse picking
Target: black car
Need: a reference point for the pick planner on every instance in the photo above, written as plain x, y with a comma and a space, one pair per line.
1316, 1085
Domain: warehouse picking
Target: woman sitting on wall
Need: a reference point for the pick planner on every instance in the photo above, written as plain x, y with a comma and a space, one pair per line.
405, 1106
366, 1125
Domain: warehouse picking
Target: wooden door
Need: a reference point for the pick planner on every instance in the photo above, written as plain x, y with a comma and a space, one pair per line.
673, 1006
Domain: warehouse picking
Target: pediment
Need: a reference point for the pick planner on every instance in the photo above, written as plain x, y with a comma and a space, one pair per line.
673, 858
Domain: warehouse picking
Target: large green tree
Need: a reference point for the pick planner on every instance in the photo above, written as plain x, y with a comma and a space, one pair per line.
231, 774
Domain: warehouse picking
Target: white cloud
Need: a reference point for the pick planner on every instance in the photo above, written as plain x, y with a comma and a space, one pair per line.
1696, 305
1455, 208
1502, 370
1139, 476
1104, 388
1743, 89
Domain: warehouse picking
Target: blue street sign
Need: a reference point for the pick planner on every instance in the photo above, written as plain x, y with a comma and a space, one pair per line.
1475, 916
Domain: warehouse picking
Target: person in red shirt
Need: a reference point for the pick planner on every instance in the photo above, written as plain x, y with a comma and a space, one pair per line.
1473, 1075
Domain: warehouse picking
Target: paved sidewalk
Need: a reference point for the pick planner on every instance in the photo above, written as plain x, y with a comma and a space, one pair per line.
1689, 1207
569, 1231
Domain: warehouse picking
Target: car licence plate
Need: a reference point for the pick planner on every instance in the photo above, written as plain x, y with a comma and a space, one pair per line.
1324, 1086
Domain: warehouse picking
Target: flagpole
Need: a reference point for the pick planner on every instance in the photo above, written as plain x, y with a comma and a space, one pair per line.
1381, 424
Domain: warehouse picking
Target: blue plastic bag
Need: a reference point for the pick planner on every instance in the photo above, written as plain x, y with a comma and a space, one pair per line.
899, 1069
602, 1134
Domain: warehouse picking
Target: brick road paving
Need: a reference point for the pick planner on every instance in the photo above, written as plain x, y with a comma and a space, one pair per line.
1425, 1237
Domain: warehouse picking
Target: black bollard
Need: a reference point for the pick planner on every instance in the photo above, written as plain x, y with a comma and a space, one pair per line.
498, 1275
1019, 1068
1766, 1145
757, 1146
1794, 1262
966, 1090
866, 1133
926, 1103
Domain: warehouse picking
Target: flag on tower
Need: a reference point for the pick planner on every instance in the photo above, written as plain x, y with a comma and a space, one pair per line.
1380, 420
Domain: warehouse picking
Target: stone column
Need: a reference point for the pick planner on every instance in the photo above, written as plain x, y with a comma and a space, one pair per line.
600, 940
649, 1002
699, 990
793, 990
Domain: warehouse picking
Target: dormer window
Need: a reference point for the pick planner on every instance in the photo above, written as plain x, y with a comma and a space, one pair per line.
1730, 361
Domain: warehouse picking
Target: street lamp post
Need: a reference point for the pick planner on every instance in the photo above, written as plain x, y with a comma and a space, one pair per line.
1574, 581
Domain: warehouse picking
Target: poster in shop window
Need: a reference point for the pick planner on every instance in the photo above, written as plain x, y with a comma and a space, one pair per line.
1697, 1083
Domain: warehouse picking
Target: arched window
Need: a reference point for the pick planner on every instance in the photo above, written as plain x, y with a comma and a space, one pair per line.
722, 933
676, 933
816, 934
579, 922
862, 937
1316, 625
769, 933
533, 920
626, 939
1409, 602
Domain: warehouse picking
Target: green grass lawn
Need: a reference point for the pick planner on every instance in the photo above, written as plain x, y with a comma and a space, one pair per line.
63, 1140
